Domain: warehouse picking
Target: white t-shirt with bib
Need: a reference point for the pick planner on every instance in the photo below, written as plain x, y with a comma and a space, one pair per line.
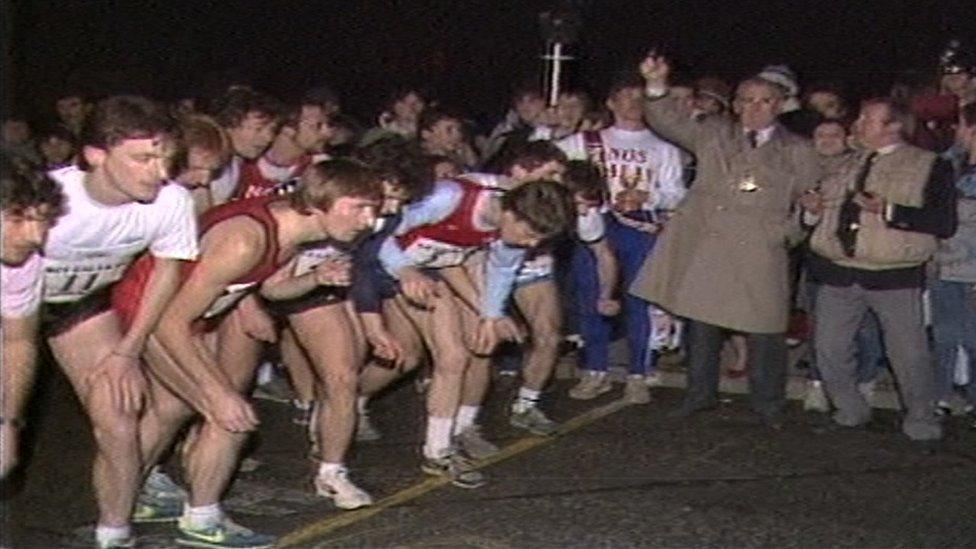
21, 288
91, 246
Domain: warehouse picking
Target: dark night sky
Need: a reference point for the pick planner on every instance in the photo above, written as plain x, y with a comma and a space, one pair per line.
470, 52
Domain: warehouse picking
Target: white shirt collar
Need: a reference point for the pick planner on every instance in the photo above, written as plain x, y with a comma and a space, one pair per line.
763, 135
888, 149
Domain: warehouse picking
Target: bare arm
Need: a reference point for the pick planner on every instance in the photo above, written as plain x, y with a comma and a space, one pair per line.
162, 285
121, 369
19, 364
491, 330
607, 269
285, 285
662, 111
228, 252
16, 380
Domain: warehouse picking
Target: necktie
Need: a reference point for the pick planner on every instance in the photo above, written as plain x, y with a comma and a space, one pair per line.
850, 212
752, 136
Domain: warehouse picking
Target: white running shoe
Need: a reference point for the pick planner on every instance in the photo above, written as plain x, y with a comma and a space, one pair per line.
343, 493
815, 399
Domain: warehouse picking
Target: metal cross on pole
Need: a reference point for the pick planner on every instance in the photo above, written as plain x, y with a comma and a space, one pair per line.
560, 28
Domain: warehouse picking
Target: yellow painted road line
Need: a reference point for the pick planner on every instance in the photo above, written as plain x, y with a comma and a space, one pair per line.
326, 526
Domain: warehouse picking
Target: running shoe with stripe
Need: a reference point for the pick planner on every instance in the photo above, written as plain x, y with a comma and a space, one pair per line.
343, 493
149, 509
225, 534
160, 499
455, 467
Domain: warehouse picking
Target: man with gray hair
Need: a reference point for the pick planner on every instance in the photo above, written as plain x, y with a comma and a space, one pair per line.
722, 263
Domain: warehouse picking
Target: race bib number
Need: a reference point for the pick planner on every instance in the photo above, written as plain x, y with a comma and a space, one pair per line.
308, 260
535, 268
227, 300
434, 254
67, 281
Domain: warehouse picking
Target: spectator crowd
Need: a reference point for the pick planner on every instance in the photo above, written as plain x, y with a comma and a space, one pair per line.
181, 258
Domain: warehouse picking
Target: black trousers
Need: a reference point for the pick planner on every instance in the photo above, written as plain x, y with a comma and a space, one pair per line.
767, 357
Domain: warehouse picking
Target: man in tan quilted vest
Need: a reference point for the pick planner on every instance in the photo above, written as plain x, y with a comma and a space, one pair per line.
877, 221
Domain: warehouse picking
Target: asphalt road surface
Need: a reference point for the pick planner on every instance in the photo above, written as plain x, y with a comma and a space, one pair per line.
617, 476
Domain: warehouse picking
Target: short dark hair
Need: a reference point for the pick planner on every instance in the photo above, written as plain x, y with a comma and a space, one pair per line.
582, 94
22, 189
526, 88
322, 184
403, 92
56, 131
321, 95
824, 87
531, 155
290, 114
402, 161
625, 81
125, 117
583, 178
546, 206
232, 108
431, 116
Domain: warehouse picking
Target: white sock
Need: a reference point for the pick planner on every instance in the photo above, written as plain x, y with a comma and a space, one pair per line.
329, 469
465, 418
438, 436
105, 534
265, 373
361, 403
204, 516
527, 398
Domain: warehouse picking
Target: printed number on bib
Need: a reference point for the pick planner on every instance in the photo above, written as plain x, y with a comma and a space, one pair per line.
535, 268
308, 260
70, 281
425, 252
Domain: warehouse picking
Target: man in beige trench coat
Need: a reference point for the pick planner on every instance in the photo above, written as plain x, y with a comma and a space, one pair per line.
721, 262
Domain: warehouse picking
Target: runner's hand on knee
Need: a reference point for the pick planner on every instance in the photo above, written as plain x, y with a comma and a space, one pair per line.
123, 375
491, 332
509, 330
386, 347
229, 411
416, 286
